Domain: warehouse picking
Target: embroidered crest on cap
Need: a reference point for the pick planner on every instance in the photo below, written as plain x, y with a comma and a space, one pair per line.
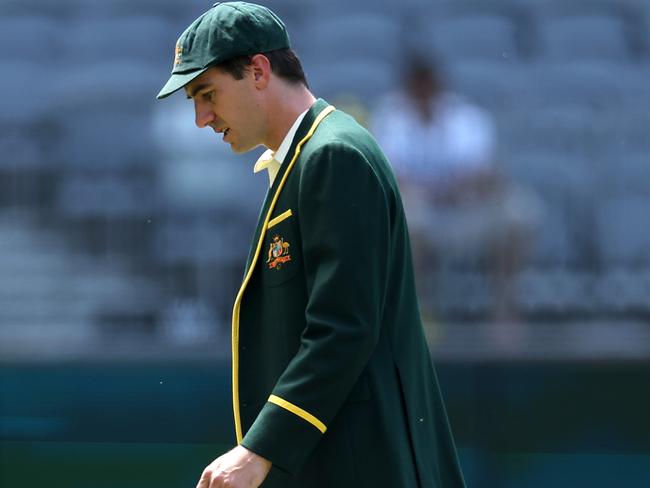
278, 253
177, 56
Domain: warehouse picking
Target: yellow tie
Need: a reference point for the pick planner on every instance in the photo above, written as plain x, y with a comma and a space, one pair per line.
268, 162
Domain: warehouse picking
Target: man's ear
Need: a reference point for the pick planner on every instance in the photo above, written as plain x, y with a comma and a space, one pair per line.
261, 70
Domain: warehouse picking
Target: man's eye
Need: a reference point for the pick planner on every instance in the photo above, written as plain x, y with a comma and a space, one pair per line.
208, 96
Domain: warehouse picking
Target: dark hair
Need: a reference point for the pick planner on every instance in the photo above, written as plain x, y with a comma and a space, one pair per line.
423, 73
284, 63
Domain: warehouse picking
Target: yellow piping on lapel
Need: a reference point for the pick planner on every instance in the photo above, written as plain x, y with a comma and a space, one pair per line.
280, 218
296, 410
236, 307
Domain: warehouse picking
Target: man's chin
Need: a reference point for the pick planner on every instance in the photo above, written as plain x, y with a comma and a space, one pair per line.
239, 149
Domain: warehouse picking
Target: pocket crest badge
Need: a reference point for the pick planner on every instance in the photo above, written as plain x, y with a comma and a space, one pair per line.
278, 253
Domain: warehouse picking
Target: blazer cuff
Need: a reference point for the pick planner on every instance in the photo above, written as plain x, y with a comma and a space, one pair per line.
284, 433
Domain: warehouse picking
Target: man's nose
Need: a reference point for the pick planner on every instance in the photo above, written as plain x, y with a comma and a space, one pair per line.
203, 115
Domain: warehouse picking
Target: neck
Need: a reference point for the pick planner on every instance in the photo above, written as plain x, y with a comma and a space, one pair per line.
287, 104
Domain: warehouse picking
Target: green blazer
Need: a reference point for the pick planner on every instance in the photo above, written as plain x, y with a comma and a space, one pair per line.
332, 378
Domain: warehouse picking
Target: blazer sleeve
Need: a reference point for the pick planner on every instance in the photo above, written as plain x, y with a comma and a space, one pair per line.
345, 227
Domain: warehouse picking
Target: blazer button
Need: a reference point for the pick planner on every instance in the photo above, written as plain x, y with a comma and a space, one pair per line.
244, 405
243, 348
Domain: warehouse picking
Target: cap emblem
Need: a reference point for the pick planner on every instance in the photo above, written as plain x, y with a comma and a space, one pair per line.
178, 54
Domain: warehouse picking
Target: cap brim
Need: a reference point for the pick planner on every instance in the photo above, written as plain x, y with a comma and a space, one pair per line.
178, 81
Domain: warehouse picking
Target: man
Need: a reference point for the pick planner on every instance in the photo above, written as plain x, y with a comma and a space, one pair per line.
332, 380
459, 206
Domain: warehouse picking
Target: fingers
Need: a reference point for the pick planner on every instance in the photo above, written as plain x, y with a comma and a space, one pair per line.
204, 482
210, 478
236, 469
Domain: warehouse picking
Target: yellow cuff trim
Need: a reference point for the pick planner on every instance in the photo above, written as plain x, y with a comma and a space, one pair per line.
299, 412
279, 218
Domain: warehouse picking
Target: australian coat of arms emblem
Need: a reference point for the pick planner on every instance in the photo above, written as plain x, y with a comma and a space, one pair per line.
278, 253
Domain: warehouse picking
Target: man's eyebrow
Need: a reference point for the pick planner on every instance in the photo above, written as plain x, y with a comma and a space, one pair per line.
196, 90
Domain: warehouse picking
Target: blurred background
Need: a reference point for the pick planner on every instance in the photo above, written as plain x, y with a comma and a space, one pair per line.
518, 130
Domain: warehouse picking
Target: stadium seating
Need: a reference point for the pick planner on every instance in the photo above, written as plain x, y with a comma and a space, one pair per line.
84, 140
623, 238
104, 141
335, 38
574, 38
623, 173
141, 38
622, 293
41, 45
622, 232
583, 83
564, 186
494, 85
107, 196
622, 131
27, 97
555, 128
471, 37
556, 293
364, 79
200, 239
123, 83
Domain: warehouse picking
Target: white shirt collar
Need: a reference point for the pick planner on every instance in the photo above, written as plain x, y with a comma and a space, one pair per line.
271, 161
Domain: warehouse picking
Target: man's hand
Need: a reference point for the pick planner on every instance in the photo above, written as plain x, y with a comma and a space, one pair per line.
238, 468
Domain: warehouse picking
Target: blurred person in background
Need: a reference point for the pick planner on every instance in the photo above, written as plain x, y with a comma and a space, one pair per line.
443, 152
332, 378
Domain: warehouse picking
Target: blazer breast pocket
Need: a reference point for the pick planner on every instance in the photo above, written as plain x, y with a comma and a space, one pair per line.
280, 255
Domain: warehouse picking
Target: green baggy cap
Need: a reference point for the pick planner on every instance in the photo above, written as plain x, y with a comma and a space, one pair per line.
227, 30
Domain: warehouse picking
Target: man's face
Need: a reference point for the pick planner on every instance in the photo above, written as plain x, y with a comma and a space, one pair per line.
232, 107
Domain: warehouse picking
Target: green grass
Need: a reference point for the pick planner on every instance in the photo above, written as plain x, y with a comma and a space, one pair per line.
103, 465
